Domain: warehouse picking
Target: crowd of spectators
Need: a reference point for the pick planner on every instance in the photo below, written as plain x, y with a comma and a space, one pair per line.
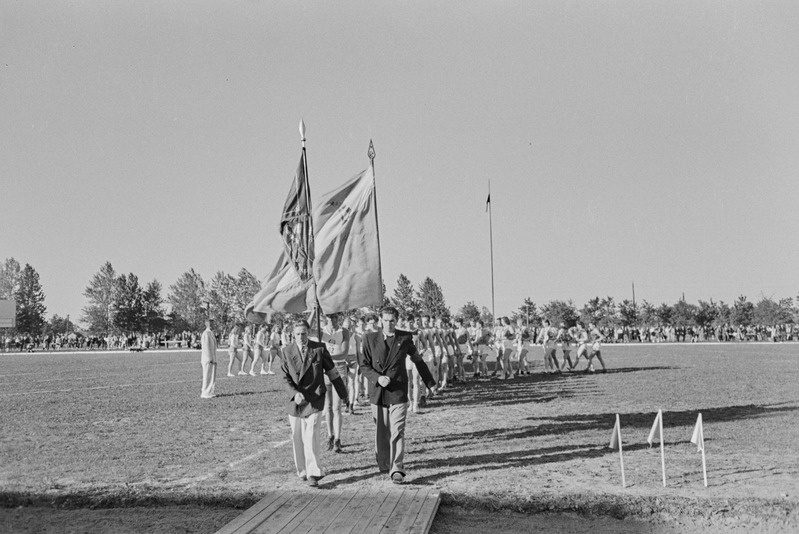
618, 334
77, 341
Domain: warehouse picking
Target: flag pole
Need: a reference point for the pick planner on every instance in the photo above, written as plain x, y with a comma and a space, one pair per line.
318, 309
491, 244
662, 450
621, 456
371, 154
702, 438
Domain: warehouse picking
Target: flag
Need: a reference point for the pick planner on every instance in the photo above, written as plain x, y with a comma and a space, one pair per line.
656, 429
283, 291
347, 262
614, 438
488, 201
698, 438
296, 224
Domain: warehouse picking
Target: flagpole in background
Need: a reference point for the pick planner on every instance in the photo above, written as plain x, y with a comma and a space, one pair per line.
491, 242
371, 154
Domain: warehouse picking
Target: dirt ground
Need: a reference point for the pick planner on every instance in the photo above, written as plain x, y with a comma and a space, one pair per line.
126, 445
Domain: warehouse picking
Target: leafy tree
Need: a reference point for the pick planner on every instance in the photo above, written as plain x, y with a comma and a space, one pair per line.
723, 315
128, 304
684, 314
628, 313
486, 316
601, 312
186, 298
527, 311
769, 312
57, 325
469, 311
560, 311
431, 298
743, 312
246, 287
648, 314
10, 273
221, 300
98, 314
30, 302
404, 298
153, 319
706, 313
664, 314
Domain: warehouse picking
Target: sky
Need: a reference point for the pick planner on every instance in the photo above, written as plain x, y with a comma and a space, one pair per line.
647, 143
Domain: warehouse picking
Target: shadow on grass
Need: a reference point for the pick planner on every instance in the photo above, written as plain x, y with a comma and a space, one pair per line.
538, 387
566, 424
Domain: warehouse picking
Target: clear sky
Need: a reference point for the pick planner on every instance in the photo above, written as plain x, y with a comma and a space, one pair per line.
646, 142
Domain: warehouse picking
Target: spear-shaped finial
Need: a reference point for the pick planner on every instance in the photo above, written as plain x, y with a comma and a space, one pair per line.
302, 132
371, 152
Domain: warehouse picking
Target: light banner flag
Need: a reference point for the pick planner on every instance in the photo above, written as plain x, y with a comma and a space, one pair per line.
296, 224
698, 439
615, 443
347, 261
283, 291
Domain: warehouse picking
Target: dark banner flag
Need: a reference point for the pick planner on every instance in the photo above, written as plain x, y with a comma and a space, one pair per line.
296, 225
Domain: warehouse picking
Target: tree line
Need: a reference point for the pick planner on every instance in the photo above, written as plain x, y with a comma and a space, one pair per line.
117, 303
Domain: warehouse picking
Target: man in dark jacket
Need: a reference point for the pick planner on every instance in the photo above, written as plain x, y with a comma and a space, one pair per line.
382, 361
304, 365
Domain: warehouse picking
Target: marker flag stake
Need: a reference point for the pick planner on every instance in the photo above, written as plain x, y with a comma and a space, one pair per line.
698, 439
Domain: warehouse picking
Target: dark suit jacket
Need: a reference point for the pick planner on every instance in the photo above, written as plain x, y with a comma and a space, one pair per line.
308, 378
377, 361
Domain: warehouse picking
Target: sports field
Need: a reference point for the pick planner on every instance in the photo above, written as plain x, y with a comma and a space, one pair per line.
122, 442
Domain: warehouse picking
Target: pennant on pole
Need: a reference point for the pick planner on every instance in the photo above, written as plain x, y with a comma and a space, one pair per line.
698, 437
655, 433
347, 262
615, 443
296, 224
614, 438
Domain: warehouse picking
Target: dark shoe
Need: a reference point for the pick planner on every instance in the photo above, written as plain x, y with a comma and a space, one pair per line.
337, 446
313, 482
330, 443
397, 478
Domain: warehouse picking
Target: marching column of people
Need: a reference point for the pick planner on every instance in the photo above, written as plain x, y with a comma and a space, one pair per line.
396, 365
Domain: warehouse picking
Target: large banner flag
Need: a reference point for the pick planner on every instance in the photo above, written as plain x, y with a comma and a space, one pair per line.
289, 287
283, 291
347, 262
296, 224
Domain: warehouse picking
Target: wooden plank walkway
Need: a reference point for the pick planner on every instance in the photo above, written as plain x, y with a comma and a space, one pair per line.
395, 510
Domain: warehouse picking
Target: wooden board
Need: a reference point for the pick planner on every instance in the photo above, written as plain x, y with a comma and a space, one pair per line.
319, 511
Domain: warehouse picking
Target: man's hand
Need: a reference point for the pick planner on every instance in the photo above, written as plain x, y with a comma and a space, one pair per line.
383, 380
434, 391
299, 398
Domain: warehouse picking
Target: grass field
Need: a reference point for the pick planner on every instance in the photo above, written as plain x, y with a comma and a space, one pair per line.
101, 430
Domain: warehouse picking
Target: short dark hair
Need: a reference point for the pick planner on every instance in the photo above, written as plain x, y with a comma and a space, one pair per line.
410, 317
390, 309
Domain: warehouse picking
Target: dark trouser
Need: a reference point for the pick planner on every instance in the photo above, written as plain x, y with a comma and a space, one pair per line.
390, 437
